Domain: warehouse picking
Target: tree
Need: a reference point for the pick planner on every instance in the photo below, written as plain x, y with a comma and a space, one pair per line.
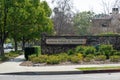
63, 23
40, 19
4, 6
23, 20
108, 5
82, 22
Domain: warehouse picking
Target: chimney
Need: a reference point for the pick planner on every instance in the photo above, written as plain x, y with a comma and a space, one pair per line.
115, 11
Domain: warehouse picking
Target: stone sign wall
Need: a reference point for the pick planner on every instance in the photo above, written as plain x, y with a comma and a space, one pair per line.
65, 41
59, 44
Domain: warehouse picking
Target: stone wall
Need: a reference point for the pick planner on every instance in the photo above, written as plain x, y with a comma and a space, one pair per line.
90, 40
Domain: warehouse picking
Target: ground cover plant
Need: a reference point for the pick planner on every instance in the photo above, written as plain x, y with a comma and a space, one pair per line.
10, 55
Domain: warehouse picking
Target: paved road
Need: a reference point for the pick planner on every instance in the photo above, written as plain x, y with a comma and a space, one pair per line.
106, 76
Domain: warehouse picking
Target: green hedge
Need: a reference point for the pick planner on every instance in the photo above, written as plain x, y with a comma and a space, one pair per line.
32, 50
37, 50
109, 34
89, 50
106, 50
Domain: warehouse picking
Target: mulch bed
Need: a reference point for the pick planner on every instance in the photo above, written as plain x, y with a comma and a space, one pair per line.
29, 63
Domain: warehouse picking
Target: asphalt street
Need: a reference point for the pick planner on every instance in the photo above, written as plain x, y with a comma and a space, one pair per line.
102, 76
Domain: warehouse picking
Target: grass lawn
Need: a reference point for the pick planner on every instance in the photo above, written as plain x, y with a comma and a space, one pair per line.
9, 56
99, 68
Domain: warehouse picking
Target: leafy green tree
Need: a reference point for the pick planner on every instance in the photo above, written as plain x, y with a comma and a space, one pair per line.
23, 20
82, 22
40, 19
4, 31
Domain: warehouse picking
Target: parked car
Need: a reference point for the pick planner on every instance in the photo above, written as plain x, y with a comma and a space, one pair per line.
8, 46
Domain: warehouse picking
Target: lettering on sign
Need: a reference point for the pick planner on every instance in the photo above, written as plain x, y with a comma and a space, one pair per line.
65, 41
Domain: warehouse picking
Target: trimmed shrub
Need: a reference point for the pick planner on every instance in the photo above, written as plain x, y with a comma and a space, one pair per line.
89, 50
38, 59
29, 51
63, 57
109, 34
35, 60
80, 56
70, 52
53, 60
98, 53
89, 57
113, 52
115, 58
79, 49
32, 50
117, 53
43, 58
76, 58
106, 50
31, 57
37, 50
100, 58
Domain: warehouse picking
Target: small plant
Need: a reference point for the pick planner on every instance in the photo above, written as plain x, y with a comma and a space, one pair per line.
70, 52
35, 60
53, 60
115, 58
117, 53
31, 57
63, 57
106, 49
89, 50
79, 49
89, 57
38, 59
100, 58
76, 58
80, 56
43, 58
113, 52
98, 53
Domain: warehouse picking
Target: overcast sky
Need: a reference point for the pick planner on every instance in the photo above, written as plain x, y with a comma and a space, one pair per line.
87, 5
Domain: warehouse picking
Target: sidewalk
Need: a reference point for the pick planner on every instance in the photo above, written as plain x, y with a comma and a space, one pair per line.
13, 67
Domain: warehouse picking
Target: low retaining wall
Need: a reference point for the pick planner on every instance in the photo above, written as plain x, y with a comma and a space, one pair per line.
59, 44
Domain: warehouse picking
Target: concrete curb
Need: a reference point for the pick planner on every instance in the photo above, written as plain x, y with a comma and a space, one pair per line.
62, 72
44, 73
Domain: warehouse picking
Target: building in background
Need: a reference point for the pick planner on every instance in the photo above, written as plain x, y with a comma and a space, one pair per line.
106, 22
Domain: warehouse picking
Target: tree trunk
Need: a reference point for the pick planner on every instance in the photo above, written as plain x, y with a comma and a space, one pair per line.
1, 49
4, 33
16, 45
23, 43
